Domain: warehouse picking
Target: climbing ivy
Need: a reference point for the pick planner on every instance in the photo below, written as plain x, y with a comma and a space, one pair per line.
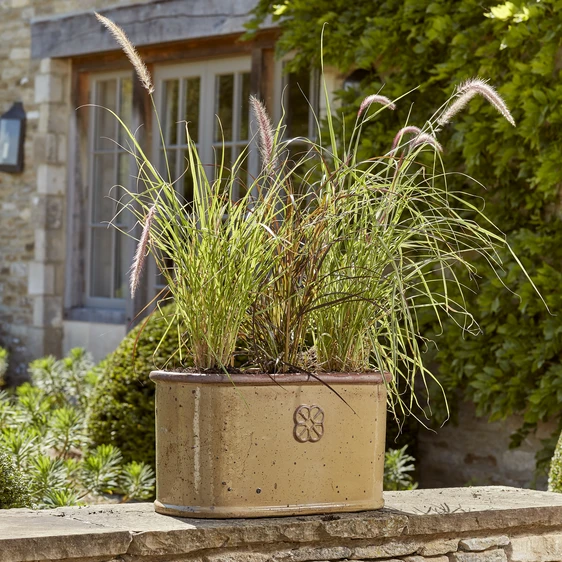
417, 47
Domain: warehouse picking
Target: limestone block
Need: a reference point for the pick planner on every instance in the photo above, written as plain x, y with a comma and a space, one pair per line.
537, 548
439, 546
48, 88
46, 249
53, 118
47, 312
307, 554
495, 555
41, 280
53, 66
418, 558
484, 543
20, 53
386, 550
45, 150
51, 180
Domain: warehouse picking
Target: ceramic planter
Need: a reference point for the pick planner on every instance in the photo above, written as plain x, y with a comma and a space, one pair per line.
254, 446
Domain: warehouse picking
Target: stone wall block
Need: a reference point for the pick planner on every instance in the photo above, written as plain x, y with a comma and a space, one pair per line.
45, 149
47, 312
495, 555
48, 88
418, 558
386, 550
20, 53
537, 548
54, 66
309, 554
440, 546
479, 544
51, 179
41, 280
53, 118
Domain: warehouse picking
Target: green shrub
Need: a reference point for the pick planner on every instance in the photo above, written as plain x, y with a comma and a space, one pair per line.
398, 466
45, 455
514, 366
3, 364
122, 406
14, 489
555, 474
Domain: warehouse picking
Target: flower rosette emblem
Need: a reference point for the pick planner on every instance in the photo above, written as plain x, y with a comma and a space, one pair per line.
309, 423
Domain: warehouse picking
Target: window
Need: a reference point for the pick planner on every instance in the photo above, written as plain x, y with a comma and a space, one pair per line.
110, 167
212, 98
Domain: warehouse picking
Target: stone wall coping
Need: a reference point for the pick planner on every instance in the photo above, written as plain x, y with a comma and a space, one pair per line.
112, 530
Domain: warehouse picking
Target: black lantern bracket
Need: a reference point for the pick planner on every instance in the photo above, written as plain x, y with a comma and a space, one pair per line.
12, 136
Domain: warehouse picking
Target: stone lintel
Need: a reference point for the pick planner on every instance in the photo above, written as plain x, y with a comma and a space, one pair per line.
409, 521
160, 21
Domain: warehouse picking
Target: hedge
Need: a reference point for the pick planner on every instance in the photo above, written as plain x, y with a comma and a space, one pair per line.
121, 412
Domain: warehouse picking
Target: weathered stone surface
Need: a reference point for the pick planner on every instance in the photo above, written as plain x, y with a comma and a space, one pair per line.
457, 510
386, 549
496, 555
483, 543
136, 533
439, 546
26, 536
537, 548
418, 558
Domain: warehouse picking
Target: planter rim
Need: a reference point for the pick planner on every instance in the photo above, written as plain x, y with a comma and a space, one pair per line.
262, 379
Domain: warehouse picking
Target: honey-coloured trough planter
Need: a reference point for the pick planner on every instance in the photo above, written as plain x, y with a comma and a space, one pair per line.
255, 445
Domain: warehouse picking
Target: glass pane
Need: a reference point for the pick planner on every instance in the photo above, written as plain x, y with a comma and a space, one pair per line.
245, 106
121, 265
219, 151
170, 111
106, 124
9, 141
103, 207
100, 277
224, 99
187, 180
126, 109
170, 166
124, 183
192, 95
298, 94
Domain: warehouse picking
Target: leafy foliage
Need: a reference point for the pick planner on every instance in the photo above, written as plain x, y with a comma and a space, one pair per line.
45, 454
3, 364
14, 489
555, 474
416, 46
121, 411
398, 468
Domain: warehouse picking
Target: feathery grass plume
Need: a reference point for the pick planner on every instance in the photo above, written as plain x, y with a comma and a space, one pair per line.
265, 130
426, 138
375, 98
140, 254
130, 51
470, 89
410, 130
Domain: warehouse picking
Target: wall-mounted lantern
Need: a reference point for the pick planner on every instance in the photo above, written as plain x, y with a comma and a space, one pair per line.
12, 135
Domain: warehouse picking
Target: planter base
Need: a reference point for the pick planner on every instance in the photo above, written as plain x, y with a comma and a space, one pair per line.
263, 511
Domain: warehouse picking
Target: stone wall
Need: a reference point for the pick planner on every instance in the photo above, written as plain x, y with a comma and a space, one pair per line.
453, 525
32, 204
476, 452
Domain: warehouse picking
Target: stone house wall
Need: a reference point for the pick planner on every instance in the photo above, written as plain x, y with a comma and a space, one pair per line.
32, 204
475, 452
